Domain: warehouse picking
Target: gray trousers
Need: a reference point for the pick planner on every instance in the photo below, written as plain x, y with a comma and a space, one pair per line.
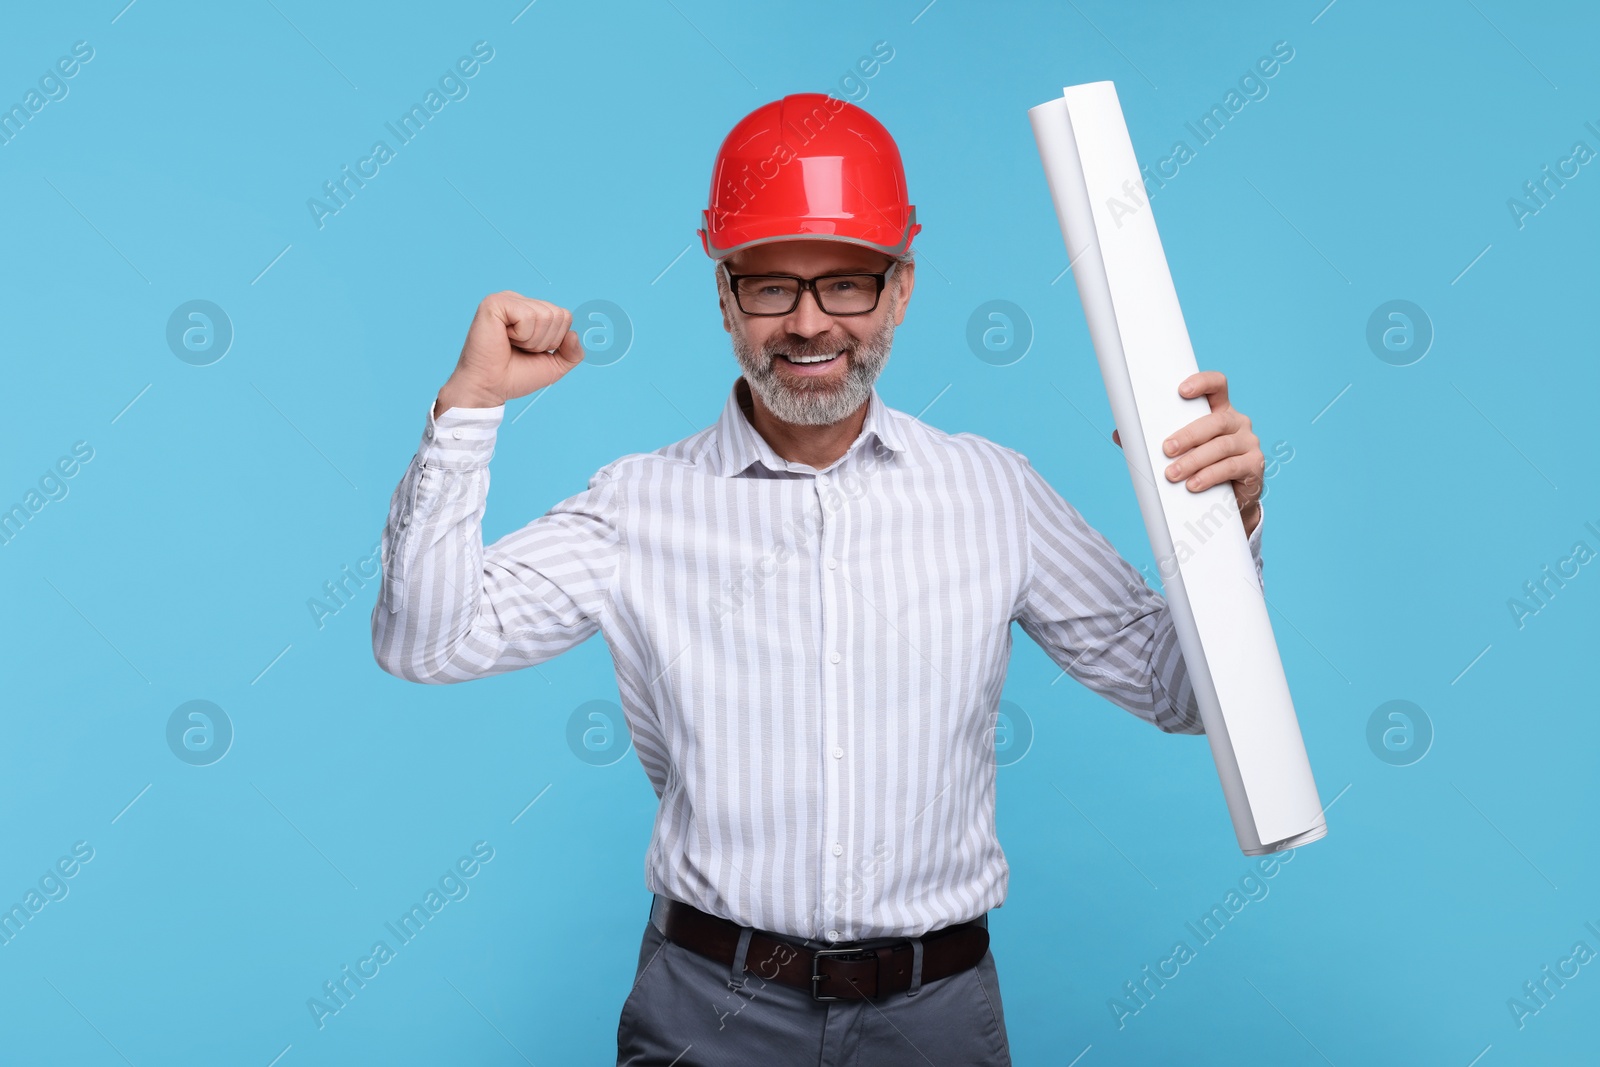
688, 1011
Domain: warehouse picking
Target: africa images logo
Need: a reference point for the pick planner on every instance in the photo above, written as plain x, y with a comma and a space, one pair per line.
453, 885
452, 85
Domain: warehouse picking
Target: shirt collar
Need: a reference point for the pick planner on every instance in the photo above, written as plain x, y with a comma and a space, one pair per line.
738, 444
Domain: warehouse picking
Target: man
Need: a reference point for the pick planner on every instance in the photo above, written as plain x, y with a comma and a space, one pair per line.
809, 605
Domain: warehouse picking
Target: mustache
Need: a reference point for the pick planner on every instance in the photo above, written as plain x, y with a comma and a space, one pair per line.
802, 346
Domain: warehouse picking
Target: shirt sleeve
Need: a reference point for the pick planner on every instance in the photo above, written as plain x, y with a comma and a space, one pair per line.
1092, 613
450, 610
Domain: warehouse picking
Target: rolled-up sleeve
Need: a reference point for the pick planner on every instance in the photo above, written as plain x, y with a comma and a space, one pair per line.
1092, 613
451, 610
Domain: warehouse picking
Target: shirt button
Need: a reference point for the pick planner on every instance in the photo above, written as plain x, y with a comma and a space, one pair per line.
833, 935
835, 657
838, 753
822, 479
456, 435
404, 519
833, 564
427, 433
838, 850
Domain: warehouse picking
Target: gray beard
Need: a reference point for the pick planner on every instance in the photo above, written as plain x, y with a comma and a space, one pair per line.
814, 403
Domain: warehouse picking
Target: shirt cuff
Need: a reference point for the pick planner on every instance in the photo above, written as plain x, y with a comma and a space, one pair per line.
460, 439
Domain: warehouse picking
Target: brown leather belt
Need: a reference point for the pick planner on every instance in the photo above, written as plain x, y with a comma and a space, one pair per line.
846, 972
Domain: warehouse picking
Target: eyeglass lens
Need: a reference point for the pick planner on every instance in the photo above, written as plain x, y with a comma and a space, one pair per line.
838, 294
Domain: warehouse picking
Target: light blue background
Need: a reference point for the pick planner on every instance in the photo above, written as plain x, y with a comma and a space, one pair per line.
180, 563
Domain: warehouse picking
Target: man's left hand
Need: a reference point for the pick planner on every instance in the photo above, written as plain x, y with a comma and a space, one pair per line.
1216, 448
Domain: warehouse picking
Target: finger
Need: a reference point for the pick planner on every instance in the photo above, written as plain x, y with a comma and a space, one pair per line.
1115, 439
560, 326
525, 321
1203, 429
1237, 468
1212, 384
552, 327
1213, 451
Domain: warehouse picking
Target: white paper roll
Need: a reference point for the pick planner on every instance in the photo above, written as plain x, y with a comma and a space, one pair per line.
1199, 542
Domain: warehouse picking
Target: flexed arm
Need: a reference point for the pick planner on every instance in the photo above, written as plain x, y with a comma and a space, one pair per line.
449, 610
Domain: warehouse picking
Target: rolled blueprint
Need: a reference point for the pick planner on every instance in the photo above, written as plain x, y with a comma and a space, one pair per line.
1208, 575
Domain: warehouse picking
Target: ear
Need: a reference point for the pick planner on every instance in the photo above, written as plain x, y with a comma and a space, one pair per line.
722, 301
906, 277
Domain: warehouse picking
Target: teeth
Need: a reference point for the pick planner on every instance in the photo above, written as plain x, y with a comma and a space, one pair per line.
812, 359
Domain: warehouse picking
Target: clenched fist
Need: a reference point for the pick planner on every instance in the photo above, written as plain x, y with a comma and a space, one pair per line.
515, 346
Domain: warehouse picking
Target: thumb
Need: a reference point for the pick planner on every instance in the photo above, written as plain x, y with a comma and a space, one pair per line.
571, 349
535, 370
1115, 439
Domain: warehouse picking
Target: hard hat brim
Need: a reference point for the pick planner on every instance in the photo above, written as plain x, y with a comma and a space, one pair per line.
720, 252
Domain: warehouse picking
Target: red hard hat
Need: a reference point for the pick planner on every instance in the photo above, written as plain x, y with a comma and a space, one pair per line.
808, 166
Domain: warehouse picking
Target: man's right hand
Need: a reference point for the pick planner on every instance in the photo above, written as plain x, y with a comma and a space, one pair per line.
515, 346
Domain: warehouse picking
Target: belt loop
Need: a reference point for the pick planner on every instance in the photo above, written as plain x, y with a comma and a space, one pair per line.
736, 978
916, 967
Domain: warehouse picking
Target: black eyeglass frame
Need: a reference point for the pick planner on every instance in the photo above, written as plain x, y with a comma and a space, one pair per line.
882, 278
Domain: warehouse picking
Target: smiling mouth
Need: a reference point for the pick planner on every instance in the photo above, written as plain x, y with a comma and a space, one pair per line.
811, 361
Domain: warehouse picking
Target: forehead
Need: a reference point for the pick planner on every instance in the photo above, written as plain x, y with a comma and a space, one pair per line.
807, 258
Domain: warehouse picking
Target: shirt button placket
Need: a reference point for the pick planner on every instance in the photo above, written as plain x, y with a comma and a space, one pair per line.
835, 774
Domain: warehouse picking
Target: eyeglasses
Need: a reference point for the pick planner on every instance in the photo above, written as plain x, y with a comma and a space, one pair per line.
779, 294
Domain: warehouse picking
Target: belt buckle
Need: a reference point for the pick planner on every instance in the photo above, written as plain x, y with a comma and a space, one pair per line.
839, 953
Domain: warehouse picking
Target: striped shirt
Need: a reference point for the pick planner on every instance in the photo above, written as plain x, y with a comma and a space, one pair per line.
809, 661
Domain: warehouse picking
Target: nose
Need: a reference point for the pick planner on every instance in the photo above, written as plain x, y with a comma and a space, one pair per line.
808, 319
